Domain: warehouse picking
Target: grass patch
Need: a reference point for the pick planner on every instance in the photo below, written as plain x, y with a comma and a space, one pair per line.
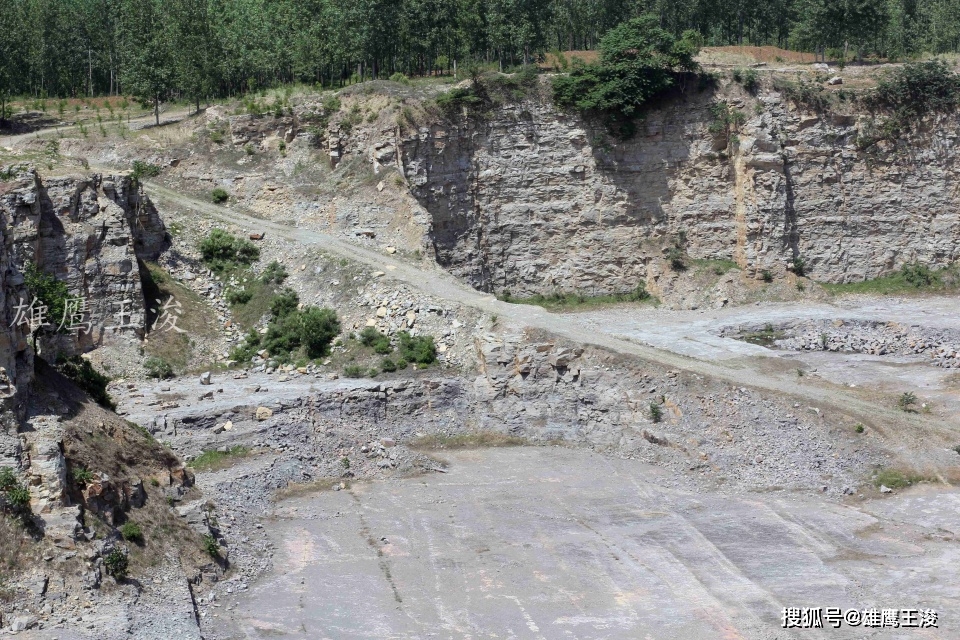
165, 346
480, 440
576, 301
717, 267
216, 460
912, 278
896, 479
298, 489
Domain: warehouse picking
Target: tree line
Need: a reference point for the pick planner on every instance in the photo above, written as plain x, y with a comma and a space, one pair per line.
196, 49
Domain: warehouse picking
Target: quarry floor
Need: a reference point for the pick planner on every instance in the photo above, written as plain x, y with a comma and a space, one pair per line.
550, 542
696, 334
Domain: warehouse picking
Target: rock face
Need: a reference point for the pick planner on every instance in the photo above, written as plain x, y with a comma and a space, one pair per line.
534, 200
90, 232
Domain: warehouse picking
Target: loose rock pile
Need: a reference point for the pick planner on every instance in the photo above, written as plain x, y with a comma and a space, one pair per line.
941, 346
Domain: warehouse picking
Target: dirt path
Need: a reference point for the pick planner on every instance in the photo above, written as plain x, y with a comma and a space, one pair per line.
135, 124
439, 283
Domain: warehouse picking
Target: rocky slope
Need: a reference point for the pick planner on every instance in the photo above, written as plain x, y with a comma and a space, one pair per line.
533, 200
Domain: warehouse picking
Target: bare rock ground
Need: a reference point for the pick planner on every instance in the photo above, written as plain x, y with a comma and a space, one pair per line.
562, 543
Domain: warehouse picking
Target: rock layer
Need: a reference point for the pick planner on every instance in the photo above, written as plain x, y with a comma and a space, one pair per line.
534, 200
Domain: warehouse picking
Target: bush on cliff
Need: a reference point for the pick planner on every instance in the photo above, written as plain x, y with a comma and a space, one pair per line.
222, 251
639, 62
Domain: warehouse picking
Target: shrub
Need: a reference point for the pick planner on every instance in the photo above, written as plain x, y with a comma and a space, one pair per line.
49, 291
454, 101
388, 365
216, 137
219, 195
402, 364
116, 564
319, 327
353, 371
915, 90
676, 258
144, 170
639, 61
8, 479
906, 401
238, 296
131, 532
284, 303
211, 546
919, 275
158, 368
749, 78
766, 275
222, 251
275, 273
799, 266
656, 412
859, 428
420, 349
370, 337
82, 373
82, 476
399, 77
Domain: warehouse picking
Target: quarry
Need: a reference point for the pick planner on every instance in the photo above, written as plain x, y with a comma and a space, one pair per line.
577, 386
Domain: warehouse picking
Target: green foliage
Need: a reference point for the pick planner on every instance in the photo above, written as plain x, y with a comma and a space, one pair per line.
237, 296
219, 195
275, 273
799, 266
639, 62
458, 99
910, 278
895, 479
8, 479
82, 476
117, 564
388, 365
131, 532
157, 367
284, 303
399, 77
859, 428
804, 93
749, 78
310, 331
144, 170
906, 402
211, 546
51, 293
222, 251
353, 371
380, 343
766, 275
419, 349
85, 376
214, 460
725, 118
16, 496
656, 411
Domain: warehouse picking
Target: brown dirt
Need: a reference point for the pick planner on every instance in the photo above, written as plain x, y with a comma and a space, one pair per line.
763, 54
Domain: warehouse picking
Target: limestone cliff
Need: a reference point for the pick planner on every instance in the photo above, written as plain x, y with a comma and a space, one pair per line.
88, 231
534, 200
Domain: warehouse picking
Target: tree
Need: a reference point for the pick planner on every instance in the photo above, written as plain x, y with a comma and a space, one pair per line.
194, 49
638, 61
147, 70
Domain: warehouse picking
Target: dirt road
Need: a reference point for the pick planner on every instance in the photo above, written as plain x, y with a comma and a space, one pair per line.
745, 371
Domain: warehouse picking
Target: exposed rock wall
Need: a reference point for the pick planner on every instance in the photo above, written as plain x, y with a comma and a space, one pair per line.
89, 232
533, 200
